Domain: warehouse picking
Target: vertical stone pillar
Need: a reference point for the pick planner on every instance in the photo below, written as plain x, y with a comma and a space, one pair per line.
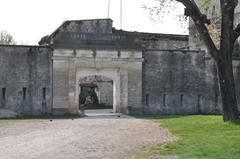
60, 86
116, 94
135, 87
73, 104
124, 91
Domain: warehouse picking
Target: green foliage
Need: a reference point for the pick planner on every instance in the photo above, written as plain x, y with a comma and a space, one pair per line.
201, 137
206, 4
6, 38
236, 49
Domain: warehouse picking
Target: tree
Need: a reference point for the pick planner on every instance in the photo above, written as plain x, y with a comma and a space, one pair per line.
6, 38
222, 52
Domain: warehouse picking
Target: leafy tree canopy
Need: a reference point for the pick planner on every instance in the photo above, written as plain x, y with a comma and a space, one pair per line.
6, 38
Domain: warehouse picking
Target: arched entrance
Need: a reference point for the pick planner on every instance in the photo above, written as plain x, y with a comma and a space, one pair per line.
96, 92
109, 74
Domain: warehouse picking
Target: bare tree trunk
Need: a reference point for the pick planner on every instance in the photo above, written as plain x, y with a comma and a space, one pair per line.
224, 62
227, 88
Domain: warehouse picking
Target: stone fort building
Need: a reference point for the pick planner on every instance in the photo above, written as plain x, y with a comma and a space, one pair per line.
135, 72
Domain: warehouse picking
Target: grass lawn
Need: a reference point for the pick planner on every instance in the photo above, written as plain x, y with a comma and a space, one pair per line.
200, 137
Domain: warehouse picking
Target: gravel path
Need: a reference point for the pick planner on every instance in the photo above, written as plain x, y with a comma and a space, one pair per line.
105, 137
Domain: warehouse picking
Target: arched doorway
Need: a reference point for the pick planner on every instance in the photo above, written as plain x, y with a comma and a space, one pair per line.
96, 92
107, 75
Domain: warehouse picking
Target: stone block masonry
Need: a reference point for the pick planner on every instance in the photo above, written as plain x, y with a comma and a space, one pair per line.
150, 73
26, 79
182, 82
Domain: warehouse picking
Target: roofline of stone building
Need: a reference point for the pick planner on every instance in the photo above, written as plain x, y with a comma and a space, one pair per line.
89, 19
46, 39
175, 50
153, 35
113, 47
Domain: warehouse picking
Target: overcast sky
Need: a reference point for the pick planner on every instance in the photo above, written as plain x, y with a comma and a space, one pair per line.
29, 20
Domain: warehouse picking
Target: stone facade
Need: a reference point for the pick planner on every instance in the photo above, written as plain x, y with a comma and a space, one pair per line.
149, 73
26, 79
115, 54
182, 82
69, 69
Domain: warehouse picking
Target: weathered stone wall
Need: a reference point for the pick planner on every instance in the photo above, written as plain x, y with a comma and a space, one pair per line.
163, 42
177, 82
77, 50
182, 82
157, 41
195, 41
88, 26
105, 93
26, 79
150, 73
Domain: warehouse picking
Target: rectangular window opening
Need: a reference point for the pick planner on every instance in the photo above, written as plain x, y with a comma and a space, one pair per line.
44, 93
147, 99
199, 103
24, 93
181, 100
164, 100
216, 103
213, 10
3, 93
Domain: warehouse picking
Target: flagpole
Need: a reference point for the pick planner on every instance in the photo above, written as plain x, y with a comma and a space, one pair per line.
109, 3
120, 14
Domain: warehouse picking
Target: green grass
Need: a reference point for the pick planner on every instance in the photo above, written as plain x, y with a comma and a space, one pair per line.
200, 137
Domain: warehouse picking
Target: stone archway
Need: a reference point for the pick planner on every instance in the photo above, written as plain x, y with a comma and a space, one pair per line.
113, 74
124, 68
88, 96
96, 92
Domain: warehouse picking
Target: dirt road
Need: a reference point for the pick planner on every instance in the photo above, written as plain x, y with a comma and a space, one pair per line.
86, 138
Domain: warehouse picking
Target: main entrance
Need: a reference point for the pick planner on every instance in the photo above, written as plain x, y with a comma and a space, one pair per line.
94, 77
97, 87
96, 92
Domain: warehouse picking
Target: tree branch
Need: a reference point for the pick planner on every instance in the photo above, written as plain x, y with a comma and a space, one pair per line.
200, 21
236, 32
